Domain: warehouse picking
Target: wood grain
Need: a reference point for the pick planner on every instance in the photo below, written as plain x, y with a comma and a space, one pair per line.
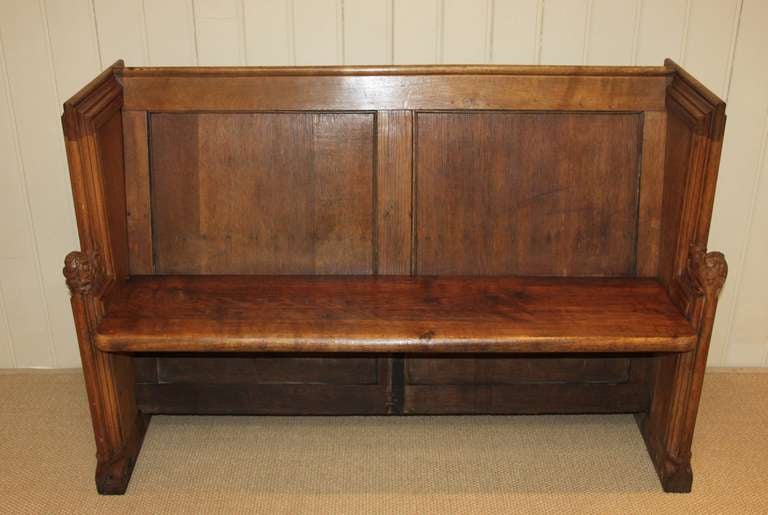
109, 148
651, 193
502, 399
478, 370
295, 384
528, 194
679, 142
304, 180
253, 399
268, 369
393, 191
137, 192
394, 314
234, 91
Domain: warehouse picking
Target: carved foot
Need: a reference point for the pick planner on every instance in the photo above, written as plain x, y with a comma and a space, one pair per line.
674, 473
113, 475
676, 477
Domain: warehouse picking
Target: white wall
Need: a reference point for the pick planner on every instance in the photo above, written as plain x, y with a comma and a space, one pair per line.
49, 48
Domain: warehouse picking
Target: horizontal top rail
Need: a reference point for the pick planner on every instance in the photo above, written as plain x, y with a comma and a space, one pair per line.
458, 69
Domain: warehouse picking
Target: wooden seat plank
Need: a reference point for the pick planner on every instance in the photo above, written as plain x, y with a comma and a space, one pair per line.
391, 314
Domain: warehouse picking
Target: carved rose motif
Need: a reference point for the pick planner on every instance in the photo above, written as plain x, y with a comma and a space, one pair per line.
709, 270
82, 271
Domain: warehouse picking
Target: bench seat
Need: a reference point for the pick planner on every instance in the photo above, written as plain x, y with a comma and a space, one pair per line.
194, 313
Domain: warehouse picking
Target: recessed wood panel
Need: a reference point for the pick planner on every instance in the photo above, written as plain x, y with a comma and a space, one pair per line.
394, 194
515, 370
109, 141
137, 199
498, 399
261, 399
677, 158
527, 193
651, 193
259, 369
266, 193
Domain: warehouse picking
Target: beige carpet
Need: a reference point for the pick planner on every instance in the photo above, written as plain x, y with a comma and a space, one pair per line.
573, 464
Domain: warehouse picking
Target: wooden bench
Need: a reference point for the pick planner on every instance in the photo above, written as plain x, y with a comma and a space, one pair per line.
394, 240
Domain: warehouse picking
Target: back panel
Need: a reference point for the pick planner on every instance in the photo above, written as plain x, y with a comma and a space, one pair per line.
262, 193
491, 193
527, 193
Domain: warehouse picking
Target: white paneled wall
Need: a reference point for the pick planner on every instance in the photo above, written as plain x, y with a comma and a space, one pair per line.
49, 48
740, 223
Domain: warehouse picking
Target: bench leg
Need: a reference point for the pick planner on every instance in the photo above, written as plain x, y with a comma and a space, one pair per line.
665, 428
118, 425
676, 381
121, 426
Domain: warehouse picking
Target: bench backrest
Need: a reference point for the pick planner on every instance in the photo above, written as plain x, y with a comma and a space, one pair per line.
565, 171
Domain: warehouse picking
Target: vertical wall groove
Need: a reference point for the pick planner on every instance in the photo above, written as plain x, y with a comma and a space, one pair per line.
193, 17
4, 315
488, 50
732, 51
587, 30
52, 70
636, 29
684, 38
145, 33
340, 39
440, 32
390, 28
196, 18
539, 31
96, 32
292, 29
243, 33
